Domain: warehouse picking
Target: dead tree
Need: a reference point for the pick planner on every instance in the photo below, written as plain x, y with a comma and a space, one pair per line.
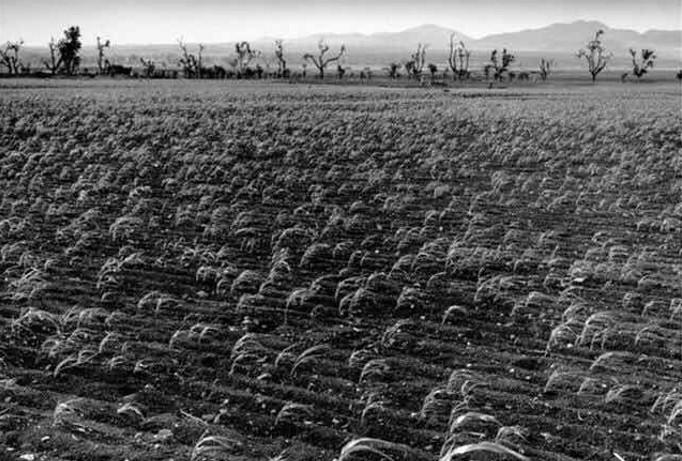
415, 65
9, 57
55, 59
148, 67
245, 54
595, 54
646, 61
191, 63
322, 61
282, 71
458, 59
546, 68
499, 66
101, 45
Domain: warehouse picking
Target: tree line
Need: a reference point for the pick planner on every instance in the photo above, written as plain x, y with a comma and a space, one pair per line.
64, 59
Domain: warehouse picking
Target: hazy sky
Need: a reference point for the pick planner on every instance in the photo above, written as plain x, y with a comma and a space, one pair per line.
162, 21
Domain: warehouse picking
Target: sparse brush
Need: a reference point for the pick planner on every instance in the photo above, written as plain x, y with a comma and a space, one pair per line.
132, 411
561, 379
675, 417
668, 457
595, 325
395, 334
614, 360
374, 403
411, 299
465, 381
592, 387
116, 362
624, 393
675, 308
34, 317
510, 435
361, 448
214, 447
374, 369
292, 413
563, 335
309, 355
65, 412
665, 402
82, 357
437, 403
360, 357
452, 311
473, 418
486, 447
286, 354
156, 301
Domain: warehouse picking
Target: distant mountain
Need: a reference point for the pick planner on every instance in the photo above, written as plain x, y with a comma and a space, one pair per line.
429, 34
569, 37
556, 41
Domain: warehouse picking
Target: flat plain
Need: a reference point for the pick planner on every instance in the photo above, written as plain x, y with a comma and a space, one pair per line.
253, 271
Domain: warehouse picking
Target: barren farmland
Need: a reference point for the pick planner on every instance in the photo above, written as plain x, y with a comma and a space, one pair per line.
243, 271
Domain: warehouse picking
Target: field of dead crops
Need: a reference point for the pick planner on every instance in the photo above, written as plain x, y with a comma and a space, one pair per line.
224, 271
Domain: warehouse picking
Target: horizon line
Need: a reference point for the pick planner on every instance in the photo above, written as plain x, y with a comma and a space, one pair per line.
370, 34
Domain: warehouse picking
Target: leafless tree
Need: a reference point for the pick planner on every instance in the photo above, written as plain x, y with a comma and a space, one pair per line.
55, 59
245, 54
322, 60
149, 67
458, 59
499, 65
282, 70
546, 68
101, 45
9, 56
415, 65
595, 54
191, 63
646, 61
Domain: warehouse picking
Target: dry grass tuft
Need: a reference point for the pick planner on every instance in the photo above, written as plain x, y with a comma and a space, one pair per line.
485, 447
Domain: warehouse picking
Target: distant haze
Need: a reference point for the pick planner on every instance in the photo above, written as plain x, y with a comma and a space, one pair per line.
222, 21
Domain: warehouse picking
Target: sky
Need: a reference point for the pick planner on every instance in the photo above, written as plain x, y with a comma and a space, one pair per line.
211, 21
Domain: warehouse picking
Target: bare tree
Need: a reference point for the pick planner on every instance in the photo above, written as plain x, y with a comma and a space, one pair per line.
415, 65
101, 45
55, 59
546, 68
148, 66
499, 65
322, 61
340, 71
9, 57
245, 54
646, 61
191, 63
458, 59
595, 54
282, 70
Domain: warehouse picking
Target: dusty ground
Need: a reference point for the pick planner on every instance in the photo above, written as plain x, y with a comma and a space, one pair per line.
292, 267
